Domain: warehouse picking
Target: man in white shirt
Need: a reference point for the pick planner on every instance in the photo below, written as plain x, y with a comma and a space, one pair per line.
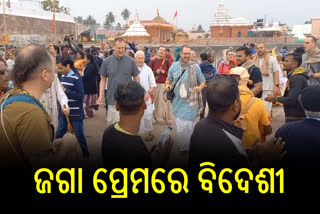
147, 81
269, 68
10, 61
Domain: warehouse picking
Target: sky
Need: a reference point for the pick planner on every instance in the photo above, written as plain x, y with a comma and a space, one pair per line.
192, 13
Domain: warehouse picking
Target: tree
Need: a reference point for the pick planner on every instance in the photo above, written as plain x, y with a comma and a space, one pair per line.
78, 19
90, 21
53, 5
119, 27
200, 29
110, 19
126, 15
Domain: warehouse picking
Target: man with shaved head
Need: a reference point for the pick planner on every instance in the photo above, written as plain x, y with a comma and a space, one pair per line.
215, 137
269, 68
115, 70
312, 62
26, 133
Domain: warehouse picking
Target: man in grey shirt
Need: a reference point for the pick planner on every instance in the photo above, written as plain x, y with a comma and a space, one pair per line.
117, 69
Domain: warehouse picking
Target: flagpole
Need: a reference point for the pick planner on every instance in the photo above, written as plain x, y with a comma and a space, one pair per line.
54, 24
4, 21
177, 22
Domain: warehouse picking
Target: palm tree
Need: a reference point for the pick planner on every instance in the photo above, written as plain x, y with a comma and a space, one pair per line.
110, 19
78, 19
126, 15
90, 21
50, 5
53, 5
118, 26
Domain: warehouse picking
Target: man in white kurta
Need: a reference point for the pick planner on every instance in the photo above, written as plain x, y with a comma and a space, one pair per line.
147, 81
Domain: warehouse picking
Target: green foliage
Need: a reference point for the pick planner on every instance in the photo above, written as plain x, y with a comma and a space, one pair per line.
53, 5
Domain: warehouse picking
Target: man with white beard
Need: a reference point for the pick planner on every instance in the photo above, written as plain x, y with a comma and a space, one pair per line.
147, 81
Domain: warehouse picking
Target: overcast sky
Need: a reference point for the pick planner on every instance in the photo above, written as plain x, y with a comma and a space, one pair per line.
195, 12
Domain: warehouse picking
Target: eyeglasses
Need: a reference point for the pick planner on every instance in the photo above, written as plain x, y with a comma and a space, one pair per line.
3, 71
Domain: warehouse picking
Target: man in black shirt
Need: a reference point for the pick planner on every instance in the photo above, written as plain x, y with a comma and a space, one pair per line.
302, 136
215, 139
297, 81
121, 145
244, 60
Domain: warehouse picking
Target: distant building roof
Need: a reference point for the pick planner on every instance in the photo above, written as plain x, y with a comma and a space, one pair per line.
157, 21
222, 18
136, 29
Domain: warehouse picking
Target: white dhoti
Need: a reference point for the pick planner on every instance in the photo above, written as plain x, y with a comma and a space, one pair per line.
112, 115
184, 132
266, 103
146, 123
147, 81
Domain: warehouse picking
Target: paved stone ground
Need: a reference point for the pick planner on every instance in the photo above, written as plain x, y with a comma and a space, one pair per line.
94, 128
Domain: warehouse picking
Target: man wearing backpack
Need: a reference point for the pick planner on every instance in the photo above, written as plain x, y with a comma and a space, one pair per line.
160, 67
26, 133
254, 118
255, 81
297, 81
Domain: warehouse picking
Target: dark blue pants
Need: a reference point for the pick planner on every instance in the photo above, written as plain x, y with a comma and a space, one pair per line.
77, 126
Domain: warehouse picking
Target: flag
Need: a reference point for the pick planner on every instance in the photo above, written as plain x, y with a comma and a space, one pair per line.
175, 14
53, 24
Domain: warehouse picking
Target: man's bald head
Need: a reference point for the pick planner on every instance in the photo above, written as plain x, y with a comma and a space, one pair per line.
30, 61
222, 93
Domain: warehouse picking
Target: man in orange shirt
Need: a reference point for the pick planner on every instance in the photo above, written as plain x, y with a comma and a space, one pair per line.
253, 114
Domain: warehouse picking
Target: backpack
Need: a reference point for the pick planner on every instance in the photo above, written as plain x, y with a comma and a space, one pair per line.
251, 69
240, 121
18, 98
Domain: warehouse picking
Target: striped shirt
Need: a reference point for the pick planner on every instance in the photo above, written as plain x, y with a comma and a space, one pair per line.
75, 93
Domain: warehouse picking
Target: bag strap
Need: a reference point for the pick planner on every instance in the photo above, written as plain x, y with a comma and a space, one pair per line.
251, 68
174, 86
21, 98
246, 108
248, 105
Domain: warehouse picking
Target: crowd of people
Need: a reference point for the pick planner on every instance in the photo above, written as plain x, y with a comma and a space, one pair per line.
55, 88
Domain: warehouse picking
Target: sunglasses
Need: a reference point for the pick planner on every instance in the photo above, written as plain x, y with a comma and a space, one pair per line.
3, 71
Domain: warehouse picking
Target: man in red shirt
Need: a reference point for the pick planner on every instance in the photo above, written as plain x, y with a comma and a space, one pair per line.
160, 67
